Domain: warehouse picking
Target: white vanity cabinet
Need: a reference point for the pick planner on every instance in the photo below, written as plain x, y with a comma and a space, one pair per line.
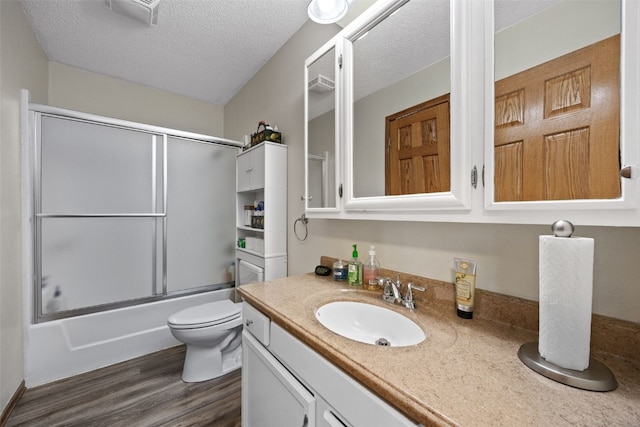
261, 176
289, 384
271, 396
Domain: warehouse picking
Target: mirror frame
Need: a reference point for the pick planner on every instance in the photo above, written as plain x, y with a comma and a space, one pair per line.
459, 196
336, 44
629, 126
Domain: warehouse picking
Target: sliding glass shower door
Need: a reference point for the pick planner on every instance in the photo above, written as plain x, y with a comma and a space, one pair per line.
125, 215
201, 215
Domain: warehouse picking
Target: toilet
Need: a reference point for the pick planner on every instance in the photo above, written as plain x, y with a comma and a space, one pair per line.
212, 333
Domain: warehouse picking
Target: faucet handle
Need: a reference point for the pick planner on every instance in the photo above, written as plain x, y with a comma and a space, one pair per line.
408, 300
390, 293
398, 283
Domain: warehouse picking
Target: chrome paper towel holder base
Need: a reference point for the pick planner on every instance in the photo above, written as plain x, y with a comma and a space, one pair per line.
597, 377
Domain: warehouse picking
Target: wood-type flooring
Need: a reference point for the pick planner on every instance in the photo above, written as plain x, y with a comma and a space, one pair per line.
142, 392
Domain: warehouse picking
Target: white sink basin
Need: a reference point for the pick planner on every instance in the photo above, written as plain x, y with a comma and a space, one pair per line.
369, 324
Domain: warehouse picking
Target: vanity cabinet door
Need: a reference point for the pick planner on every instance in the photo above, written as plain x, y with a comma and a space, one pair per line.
271, 396
339, 398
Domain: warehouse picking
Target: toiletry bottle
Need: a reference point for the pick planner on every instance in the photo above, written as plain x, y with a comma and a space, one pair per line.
465, 287
354, 273
339, 271
371, 271
56, 303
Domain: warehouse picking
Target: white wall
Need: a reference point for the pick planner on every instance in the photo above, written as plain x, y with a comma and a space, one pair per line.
22, 65
507, 254
81, 90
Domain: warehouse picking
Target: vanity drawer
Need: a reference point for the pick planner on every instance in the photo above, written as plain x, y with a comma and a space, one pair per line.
256, 323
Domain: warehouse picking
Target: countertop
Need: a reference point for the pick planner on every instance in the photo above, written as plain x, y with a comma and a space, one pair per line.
466, 372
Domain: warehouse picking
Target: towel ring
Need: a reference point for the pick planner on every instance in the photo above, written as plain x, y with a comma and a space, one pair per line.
303, 220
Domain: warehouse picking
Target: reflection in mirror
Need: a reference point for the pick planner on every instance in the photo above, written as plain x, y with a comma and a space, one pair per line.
401, 63
557, 100
321, 126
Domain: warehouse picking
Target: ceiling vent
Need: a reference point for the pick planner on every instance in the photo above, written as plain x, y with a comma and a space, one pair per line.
321, 84
141, 10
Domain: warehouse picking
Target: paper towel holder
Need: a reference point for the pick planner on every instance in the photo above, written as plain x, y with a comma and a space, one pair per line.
597, 377
562, 228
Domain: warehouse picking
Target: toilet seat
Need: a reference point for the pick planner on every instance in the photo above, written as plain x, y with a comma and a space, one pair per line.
205, 315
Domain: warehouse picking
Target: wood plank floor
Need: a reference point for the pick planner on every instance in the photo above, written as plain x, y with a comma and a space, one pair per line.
146, 391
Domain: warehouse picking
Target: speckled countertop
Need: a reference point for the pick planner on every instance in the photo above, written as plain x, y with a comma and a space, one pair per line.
466, 372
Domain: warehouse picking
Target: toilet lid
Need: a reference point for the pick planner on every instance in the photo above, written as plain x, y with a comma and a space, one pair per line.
203, 315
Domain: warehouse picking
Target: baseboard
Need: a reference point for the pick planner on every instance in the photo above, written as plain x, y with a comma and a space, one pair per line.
6, 413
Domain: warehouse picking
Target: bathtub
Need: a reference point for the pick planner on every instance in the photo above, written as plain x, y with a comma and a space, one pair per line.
67, 347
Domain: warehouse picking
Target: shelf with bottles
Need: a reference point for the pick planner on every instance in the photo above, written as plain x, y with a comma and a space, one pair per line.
250, 210
250, 241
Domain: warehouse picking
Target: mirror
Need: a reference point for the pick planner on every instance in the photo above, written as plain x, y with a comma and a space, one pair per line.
556, 101
321, 145
399, 63
395, 56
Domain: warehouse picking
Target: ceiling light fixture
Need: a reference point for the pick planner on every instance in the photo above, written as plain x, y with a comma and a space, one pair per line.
327, 11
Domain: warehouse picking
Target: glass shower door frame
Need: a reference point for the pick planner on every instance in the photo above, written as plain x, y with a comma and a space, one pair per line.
158, 213
215, 224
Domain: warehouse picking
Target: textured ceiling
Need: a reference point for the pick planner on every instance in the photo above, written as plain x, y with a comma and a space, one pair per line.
204, 49
209, 49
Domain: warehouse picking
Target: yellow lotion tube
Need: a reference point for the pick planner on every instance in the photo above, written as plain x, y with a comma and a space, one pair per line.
465, 286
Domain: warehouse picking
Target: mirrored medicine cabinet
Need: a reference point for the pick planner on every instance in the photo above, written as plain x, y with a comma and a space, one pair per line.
382, 70
420, 122
561, 128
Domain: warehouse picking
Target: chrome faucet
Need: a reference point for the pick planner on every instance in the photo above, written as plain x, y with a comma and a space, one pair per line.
393, 292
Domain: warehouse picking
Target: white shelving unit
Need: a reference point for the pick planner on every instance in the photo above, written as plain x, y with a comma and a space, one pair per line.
261, 175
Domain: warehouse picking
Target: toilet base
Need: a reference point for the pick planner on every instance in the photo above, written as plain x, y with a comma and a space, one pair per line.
203, 364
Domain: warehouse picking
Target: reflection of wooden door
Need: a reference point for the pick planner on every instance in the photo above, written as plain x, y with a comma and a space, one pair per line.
417, 154
557, 128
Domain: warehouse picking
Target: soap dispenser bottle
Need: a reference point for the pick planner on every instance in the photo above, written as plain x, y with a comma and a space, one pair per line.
339, 271
371, 271
354, 273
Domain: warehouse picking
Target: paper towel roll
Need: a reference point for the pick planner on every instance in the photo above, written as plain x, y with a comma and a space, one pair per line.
566, 291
